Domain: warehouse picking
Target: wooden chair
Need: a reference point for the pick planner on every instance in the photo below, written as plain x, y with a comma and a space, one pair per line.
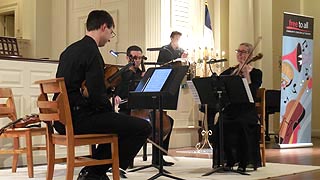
260, 105
8, 110
59, 110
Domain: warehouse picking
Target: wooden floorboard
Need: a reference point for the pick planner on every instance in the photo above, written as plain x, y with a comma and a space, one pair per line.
300, 156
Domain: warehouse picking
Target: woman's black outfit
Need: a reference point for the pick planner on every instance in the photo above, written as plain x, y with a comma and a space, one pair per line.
82, 61
241, 129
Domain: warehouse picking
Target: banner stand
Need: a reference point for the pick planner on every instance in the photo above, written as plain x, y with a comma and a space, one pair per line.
296, 81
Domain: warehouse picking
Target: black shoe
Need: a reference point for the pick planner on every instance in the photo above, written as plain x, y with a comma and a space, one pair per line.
165, 163
131, 165
122, 172
252, 166
87, 175
241, 169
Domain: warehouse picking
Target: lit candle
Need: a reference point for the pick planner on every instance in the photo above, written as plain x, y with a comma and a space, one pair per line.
217, 54
223, 53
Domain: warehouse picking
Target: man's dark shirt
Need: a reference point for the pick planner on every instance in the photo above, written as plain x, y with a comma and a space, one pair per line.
167, 53
82, 61
129, 81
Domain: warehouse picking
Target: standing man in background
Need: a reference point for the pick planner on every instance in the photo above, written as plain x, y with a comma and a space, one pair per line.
172, 51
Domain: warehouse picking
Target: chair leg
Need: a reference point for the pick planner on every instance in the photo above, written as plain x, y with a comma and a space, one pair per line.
70, 162
16, 146
145, 156
115, 159
50, 158
263, 156
29, 154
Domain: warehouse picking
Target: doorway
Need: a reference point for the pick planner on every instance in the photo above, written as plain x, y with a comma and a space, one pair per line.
7, 24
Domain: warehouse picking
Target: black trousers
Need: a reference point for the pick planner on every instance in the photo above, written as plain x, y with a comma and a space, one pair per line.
166, 141
132, 133
165, 145
240, 136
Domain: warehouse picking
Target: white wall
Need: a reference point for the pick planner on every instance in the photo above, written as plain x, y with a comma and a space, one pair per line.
20, 76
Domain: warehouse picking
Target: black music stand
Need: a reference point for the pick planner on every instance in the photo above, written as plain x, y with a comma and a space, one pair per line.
220, 91
158, 90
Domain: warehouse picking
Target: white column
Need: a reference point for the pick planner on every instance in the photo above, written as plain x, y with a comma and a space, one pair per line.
241, 28
153, 27
136, 23
220, 23
59, 27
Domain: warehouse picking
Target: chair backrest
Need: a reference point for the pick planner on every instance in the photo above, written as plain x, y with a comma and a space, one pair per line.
56, 109
7, 106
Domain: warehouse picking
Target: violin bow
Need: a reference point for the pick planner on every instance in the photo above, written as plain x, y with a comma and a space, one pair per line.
160, 148
12, 123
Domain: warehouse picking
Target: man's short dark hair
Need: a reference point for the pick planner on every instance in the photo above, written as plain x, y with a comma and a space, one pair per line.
175, 33
97, 18
133, 48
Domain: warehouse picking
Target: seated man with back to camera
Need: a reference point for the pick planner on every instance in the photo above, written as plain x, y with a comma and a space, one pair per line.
93, 113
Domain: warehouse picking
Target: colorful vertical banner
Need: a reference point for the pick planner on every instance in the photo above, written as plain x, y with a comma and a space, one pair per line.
296, 81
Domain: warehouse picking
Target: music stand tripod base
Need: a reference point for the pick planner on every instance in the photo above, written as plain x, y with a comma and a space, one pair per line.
153, 147
222, 169
166, 175
158, 90
162, 172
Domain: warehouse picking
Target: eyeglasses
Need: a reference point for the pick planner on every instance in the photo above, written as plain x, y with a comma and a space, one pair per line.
139, 58
238, 51
113, 34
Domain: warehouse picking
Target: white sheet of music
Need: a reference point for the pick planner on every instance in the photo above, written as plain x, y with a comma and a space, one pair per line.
157, 80
246, 86
194, 92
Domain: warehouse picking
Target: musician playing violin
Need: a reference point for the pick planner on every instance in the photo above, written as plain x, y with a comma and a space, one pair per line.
241, 138
82, 61
130, 79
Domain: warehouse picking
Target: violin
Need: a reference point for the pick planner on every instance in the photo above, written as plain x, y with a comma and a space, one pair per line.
292, 117
112, 77
237, 70
21, 122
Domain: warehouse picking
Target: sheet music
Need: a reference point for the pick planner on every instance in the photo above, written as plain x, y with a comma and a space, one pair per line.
157, 80
246, 86
194, 92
